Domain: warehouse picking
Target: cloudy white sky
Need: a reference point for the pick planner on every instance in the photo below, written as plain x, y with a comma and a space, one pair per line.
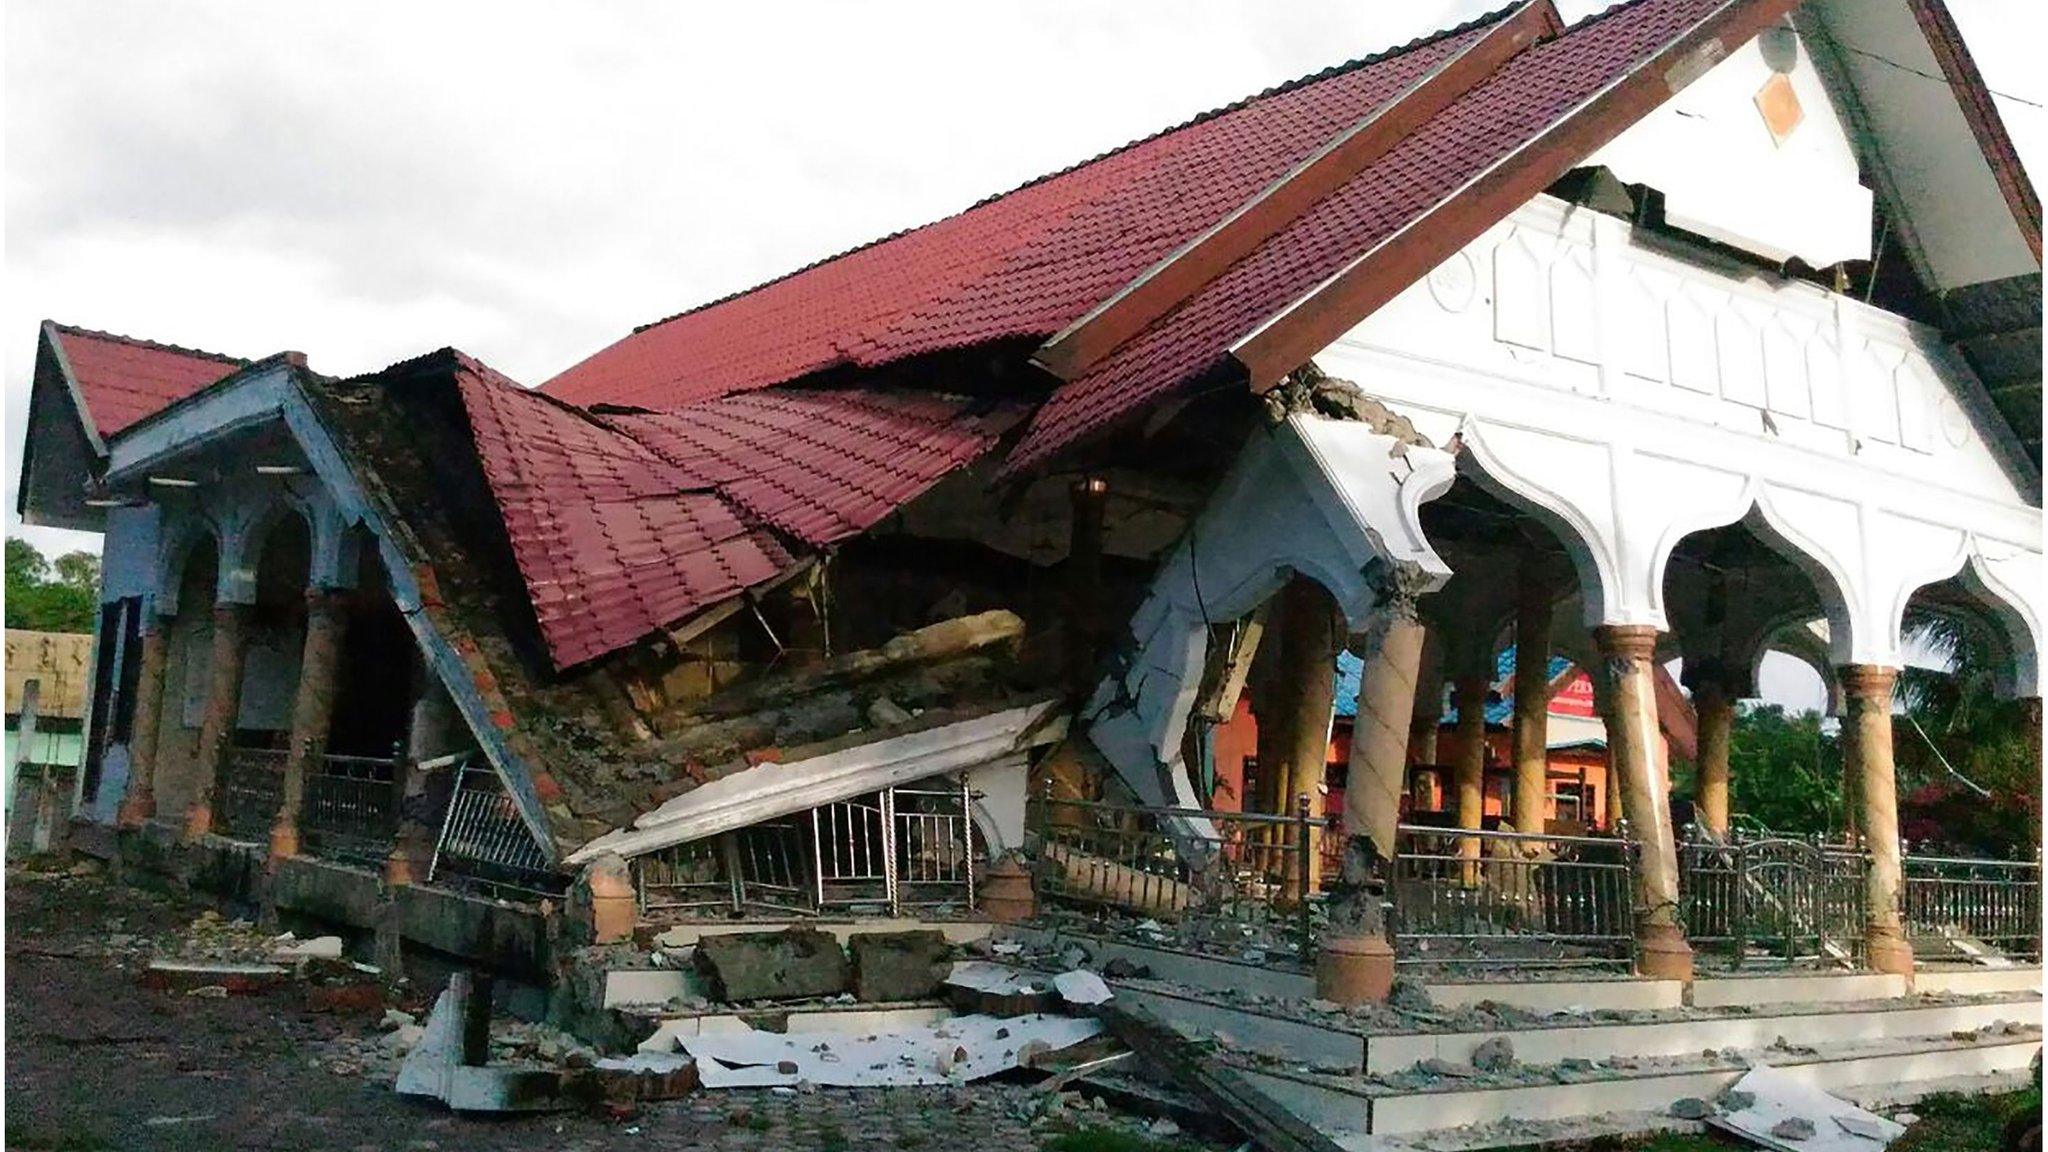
367, 181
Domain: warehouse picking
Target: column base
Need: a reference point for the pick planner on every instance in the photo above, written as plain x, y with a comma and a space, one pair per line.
284, 843
1884, 950
198, 822
1354, 970
1663, 954
135, 811
399, 870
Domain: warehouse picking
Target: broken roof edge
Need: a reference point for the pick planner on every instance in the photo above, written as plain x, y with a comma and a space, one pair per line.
1364, 284
932, 745
1113, 322
441, 640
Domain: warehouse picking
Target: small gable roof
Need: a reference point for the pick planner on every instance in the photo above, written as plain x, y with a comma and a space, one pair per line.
119, 380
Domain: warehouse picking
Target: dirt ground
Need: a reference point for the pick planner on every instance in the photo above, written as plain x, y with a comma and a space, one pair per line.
96, 1063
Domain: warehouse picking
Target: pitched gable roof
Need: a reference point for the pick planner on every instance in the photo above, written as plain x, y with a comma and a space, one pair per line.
1029, 264
121, 379
1026, 263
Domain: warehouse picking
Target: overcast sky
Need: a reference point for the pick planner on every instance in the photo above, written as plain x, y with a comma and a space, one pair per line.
367, 181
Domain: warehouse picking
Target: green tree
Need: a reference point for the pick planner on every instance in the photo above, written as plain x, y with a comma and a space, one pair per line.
1955, 741
1786, 772
39, 603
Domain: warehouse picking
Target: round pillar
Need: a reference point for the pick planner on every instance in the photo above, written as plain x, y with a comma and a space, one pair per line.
1715, 708
1629, 651
1867, 757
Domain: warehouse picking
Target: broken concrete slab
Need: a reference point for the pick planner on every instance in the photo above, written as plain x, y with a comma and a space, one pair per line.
1081, 987
953, 1051
429, 1068
989, 988
238, 979
893, 966
1787, 1115
486, 1089
289, 949
646, 1076
793, 964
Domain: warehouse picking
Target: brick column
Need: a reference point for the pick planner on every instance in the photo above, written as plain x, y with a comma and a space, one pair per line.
1532, 705
312, 711
1629, 651
140, 802
1468, 775
1867, 757
223, 707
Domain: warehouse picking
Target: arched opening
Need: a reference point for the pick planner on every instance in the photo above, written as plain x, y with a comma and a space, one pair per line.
380, 675
188, 658
1966, 751
1751, 747
252, 776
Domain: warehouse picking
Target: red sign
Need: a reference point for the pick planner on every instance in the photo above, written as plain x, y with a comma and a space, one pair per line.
1575, 698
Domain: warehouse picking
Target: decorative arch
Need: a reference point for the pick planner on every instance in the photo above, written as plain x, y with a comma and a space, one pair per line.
182, 533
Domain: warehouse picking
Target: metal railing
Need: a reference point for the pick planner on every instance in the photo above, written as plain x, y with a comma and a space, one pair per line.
906, 847
251, 792
484, 844
1489, 898
1994, 902
1118, 866
1763, 895
351, 810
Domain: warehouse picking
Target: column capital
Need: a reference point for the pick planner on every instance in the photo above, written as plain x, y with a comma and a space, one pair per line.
1627, 641
1868, 681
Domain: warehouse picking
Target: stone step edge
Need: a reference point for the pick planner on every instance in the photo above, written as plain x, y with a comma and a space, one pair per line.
1902, 1046
1804, 1011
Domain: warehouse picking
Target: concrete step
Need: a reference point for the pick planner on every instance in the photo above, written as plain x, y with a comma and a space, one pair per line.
1352, 1107
1807, 1026
1767, 989
1975, 981
1590, 992
1337, 1044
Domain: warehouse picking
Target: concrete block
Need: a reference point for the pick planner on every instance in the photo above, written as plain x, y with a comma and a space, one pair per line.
955, 931
891, 966
789, 965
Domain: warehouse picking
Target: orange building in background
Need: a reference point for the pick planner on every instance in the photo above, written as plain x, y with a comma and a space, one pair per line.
1579, 767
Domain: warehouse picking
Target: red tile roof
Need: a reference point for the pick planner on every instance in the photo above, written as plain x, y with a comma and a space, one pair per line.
612, 541
1028, 263
822, 466
1023, 264
123, 379
1528, 94
625, 523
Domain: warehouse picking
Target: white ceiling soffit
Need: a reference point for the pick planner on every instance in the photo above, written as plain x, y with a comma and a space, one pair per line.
771, 790
1755, 155
1922, 153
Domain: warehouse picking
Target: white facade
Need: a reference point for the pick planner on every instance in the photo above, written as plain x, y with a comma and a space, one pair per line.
1631, 392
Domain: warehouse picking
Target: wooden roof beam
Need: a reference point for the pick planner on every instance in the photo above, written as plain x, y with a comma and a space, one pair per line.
1135, 306
1310, 324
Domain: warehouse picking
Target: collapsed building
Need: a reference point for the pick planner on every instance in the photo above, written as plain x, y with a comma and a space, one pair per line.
1661, 336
